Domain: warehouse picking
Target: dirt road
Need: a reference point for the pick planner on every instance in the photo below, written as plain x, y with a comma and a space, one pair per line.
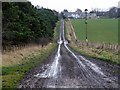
66, 68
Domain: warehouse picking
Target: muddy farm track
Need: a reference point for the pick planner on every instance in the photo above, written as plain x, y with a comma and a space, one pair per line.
66, 68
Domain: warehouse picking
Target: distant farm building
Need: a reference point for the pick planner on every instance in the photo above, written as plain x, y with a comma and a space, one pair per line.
78, 14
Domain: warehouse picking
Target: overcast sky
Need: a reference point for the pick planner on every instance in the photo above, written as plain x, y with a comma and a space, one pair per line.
72, 5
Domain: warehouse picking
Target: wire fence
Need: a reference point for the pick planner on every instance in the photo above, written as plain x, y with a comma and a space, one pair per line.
98, 45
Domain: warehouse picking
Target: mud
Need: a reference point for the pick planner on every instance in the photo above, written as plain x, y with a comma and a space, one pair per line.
66, 68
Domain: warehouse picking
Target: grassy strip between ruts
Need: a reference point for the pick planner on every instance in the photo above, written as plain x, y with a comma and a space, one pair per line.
105, 55
11, 75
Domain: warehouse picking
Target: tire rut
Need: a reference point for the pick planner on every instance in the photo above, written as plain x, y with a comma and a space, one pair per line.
68, 69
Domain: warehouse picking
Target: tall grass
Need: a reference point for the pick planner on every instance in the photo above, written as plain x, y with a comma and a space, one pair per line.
12, 73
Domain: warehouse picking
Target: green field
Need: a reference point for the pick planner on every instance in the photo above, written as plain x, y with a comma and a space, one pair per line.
99, 30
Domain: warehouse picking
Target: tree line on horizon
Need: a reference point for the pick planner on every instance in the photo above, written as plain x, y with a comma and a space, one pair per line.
24, 23
113, 12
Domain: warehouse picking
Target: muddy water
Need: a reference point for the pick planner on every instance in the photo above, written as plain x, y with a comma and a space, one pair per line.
55, 67
66, 68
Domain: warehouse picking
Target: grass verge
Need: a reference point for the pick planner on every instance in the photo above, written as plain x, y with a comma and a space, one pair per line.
12, 74
105, 55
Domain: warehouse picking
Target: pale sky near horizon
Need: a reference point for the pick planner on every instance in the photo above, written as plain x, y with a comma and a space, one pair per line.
72, 5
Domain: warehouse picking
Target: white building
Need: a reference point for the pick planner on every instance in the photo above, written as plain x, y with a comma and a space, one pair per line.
79, 14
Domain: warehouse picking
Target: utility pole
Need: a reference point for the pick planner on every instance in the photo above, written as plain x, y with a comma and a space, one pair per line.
86, 26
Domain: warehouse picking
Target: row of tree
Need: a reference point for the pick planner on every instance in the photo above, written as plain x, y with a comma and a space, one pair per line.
24, 23
111, 13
